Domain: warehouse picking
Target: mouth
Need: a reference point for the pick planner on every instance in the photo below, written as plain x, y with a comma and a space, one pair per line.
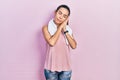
59, 20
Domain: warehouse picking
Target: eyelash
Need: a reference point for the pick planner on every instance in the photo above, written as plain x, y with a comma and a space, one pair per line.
64, 16
61, 13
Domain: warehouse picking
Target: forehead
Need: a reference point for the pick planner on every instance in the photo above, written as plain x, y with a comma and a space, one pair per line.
64, 10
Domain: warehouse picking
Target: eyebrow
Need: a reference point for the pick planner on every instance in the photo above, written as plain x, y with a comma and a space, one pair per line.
62, 13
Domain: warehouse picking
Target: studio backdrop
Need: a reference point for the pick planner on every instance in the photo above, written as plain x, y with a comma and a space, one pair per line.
95, 25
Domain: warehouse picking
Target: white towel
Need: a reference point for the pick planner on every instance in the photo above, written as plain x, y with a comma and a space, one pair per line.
52, 28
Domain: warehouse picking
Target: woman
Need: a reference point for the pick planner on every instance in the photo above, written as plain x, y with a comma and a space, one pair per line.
59, 38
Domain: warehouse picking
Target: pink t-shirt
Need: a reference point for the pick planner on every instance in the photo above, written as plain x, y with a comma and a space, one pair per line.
58, 56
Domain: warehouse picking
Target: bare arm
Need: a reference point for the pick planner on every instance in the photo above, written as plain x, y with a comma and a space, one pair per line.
71, 41
51, 40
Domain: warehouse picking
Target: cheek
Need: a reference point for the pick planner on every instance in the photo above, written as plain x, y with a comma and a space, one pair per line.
63, 20
56, 14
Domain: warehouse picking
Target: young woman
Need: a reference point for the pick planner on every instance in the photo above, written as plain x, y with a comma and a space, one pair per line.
59, 38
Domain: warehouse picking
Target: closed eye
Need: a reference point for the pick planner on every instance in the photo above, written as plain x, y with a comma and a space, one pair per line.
60, 12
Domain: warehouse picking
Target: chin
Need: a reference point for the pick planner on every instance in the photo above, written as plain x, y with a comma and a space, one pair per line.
58, 22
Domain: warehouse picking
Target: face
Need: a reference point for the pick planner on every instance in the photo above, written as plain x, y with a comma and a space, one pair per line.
61, 15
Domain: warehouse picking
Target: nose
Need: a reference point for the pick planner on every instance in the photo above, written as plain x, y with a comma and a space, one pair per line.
61, 17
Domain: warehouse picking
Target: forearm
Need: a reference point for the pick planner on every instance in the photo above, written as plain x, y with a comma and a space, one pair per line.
54, 38
71, 41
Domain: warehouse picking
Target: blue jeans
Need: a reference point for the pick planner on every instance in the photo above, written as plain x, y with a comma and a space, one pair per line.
63, 75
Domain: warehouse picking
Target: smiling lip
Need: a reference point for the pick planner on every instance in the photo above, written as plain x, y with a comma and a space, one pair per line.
58, 20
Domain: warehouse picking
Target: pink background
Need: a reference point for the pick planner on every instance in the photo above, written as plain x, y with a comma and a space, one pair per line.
96, 27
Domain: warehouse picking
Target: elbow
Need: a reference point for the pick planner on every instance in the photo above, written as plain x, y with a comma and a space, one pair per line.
51, 43
74, 46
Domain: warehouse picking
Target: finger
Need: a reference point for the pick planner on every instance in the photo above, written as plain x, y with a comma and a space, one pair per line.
66, 20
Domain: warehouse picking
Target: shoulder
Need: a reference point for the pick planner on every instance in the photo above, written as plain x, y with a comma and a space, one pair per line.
44, 27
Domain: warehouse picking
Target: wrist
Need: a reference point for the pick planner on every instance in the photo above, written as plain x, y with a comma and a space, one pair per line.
65, 31
60, 28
